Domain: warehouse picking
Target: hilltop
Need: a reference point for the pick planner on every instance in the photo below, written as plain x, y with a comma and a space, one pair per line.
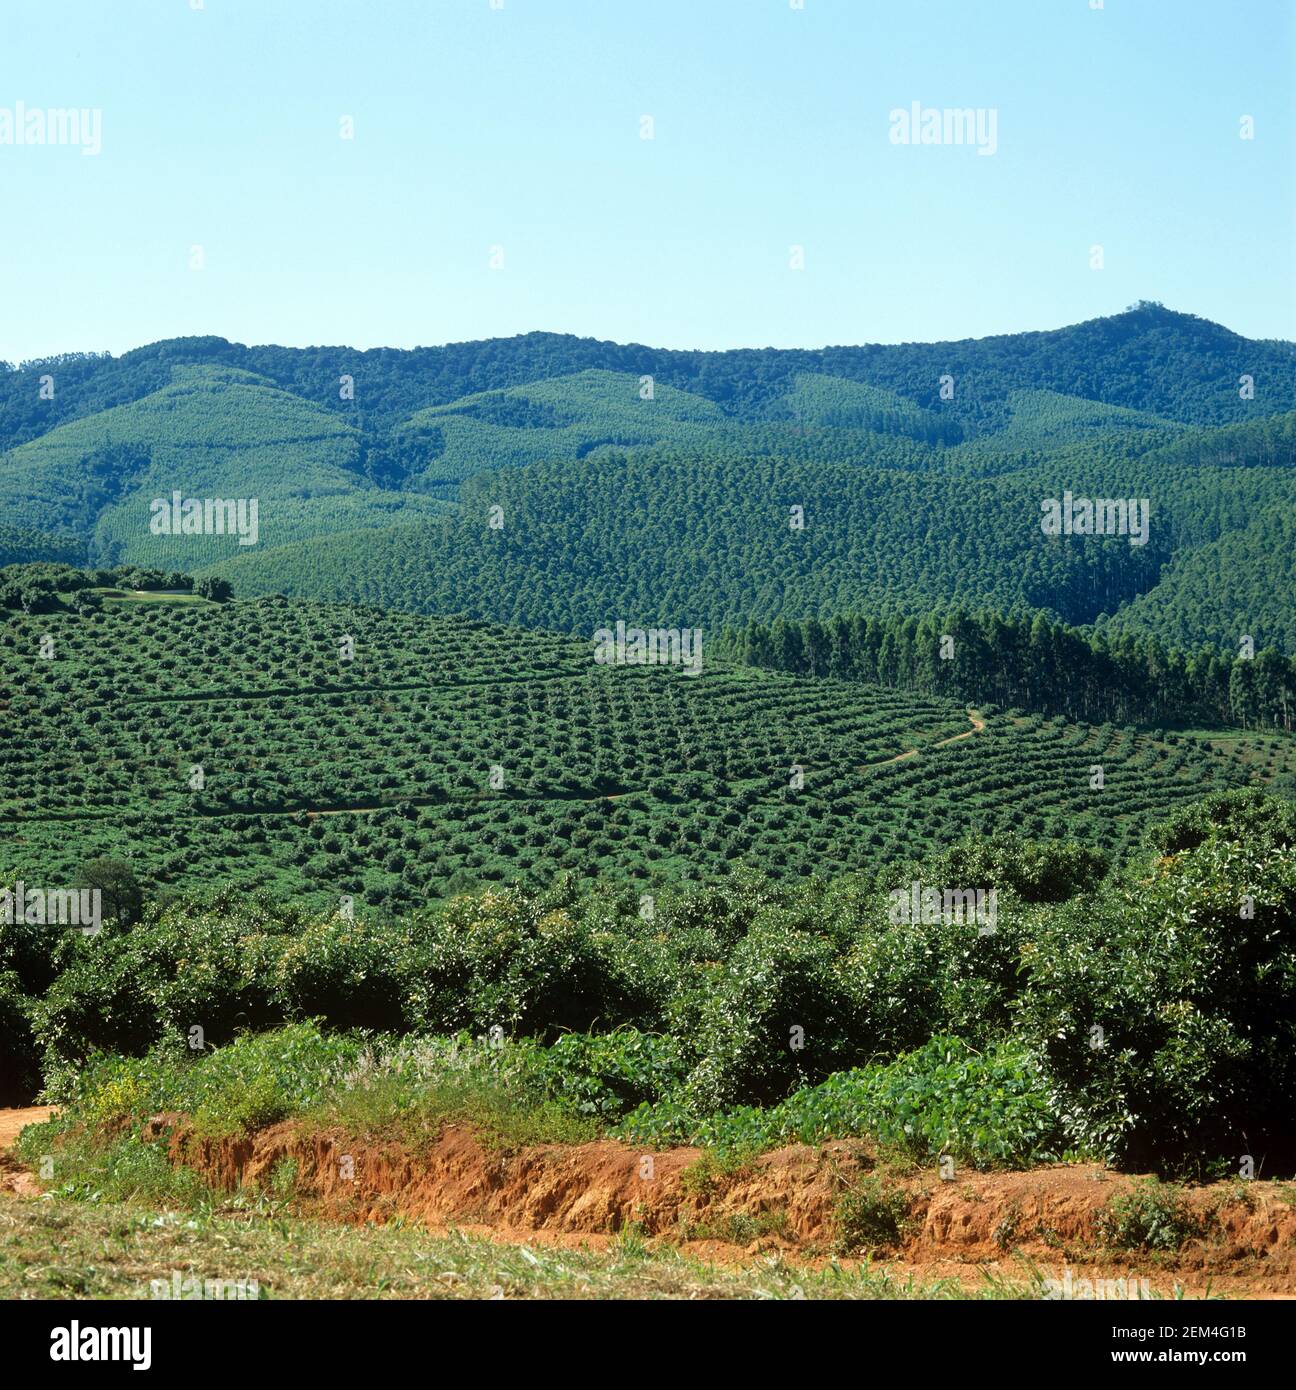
554, 481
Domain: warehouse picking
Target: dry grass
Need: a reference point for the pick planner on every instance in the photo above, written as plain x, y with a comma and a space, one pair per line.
65, 1249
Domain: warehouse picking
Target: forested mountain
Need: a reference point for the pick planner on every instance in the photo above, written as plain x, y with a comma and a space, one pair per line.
1149, 358
659, 536
212, 432
655, 537
558, 482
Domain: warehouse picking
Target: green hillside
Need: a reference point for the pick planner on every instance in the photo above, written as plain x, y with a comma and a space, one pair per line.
655, 537
449, 752
1239, 585
1046, 417
588, 491
1149, 358
23, 547
829, 402
566, 418
214, 432
706, 536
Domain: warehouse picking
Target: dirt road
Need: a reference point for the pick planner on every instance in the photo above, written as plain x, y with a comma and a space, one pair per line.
977, 725
13, 1122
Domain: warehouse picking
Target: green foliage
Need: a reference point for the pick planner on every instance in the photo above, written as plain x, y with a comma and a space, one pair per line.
1037, 871
1147, 1020
240, 1107
913, 502
251, 1082
372, 778
987, 1110
121, 896
1188, 980
1154, 1216
1030, 663
702, 538
778, 1013
211, 432
1176, 366
19, 1057
23, 547
603, 1075
869, 1216
1246, 816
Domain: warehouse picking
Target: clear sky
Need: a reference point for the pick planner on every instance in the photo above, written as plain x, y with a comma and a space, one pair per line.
519, 127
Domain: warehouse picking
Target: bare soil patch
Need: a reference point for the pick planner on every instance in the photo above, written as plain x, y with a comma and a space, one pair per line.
782, 1203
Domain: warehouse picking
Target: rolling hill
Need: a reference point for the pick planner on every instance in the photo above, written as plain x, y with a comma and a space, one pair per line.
552, 482
1149, 358
212, 432
232, 744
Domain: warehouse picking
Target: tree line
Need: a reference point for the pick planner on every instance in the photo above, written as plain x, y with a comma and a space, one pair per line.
1031, 663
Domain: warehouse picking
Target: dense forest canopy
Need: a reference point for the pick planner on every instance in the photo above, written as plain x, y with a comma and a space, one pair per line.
561, 482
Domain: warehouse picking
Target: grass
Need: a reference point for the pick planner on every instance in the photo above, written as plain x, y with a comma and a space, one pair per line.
59, 1249
85, 1167
738, 1227
388, 1108
712, 1169
147, 596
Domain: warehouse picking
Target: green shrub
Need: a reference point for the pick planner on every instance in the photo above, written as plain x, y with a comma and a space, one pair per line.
1190, 979
19, 1056
1153, 1216
780, 1015
1037, 871
104, 1001
351, 973
868, 1217
499, 960
604, 1075
988, 1110
1245, 816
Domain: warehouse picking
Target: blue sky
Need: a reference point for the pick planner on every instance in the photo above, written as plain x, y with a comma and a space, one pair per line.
519, 127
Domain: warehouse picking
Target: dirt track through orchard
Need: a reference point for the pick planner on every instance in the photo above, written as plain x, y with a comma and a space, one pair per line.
977, 725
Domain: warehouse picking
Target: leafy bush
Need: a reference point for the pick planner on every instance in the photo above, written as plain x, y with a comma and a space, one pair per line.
19, 1059
1154, 1216
604, 1075
1149, 1021
255, 1078
779, 1015
103, 1001
987, 1110
869, 1216
352, 973
1246, 815
1037, 871
1164, 1012
499, 960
